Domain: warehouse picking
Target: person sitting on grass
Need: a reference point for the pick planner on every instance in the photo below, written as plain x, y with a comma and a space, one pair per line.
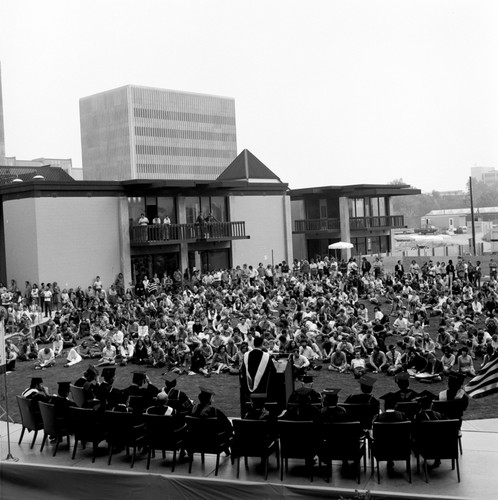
46, 358
220, 362
465, 364
338, 361
358, 365
108, 354
377, 361
73, 357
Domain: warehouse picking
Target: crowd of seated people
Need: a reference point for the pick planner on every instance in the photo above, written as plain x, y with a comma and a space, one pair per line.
313, 312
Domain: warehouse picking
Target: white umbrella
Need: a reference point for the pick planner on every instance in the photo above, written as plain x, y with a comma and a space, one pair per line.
340, 245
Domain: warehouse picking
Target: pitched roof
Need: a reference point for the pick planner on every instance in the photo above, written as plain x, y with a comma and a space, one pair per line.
246, 167
51, 174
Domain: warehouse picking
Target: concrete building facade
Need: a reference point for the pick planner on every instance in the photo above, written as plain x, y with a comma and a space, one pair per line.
137, 132
70, 232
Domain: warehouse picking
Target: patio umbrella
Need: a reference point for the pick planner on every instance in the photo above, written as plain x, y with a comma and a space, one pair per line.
340, 245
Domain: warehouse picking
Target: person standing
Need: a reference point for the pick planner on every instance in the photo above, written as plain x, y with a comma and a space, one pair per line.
399, 270
167, 226
47, 302
365, 266
257, 369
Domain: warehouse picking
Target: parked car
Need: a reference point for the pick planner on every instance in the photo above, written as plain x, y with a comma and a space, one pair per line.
461, 230
427, 230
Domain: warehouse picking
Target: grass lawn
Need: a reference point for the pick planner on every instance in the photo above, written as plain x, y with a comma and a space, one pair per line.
226, 386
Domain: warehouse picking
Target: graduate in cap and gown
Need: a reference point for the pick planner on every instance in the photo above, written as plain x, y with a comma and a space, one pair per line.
177, 398
205, 409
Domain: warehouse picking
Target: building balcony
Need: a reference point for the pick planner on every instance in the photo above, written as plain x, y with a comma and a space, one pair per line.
355, 223
177, 233
383, 222
314, 225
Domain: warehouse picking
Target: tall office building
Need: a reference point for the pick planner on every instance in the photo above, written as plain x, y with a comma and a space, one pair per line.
137, 132
2, 134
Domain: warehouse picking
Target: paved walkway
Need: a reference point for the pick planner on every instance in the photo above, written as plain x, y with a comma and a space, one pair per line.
477, 465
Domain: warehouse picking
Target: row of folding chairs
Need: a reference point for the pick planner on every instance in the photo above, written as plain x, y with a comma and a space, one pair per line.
345, 441
388, 441
124, 431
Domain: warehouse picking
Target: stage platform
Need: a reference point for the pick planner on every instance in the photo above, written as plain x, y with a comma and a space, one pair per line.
40, 475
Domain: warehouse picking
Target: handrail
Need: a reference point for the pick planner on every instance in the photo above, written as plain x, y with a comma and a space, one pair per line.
183, 232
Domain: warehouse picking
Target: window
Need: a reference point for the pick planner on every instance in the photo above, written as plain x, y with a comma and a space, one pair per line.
312, 209
166, 207
136, 206
192, 208
194, 205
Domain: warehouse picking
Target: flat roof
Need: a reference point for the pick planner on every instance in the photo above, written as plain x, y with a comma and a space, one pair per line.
353, 190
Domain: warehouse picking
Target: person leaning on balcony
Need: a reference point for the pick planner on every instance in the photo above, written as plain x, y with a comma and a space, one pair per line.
166, 226
143, 221
156, 220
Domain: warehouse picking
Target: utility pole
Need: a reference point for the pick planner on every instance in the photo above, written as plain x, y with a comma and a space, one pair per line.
472, 216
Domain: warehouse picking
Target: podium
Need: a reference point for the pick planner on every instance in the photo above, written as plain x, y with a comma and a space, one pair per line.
280, 387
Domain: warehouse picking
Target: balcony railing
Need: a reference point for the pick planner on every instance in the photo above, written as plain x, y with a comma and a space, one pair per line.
376, 222
326, 225
307, 225
162, 234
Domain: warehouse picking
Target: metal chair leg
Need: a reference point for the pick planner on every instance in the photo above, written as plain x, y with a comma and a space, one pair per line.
34, 439
22, 434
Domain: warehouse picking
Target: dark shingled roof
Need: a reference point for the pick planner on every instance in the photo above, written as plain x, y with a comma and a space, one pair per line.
246, 166
50, 174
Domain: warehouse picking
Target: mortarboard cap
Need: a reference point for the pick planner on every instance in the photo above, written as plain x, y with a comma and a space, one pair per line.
390, 400
138, 377
329, 391
425, 399
91, 371
367, 380
170, 377
64, 386
307, 379
108, 372
36, 381
402, 376
206, 390
455, 378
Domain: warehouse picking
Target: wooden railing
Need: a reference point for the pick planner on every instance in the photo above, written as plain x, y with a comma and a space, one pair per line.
303, 226
374, 222
182, 232
309, 225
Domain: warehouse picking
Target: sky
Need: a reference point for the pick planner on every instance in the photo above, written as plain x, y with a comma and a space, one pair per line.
327, 92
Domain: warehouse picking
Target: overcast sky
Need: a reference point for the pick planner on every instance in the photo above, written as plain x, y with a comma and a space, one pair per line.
327, 92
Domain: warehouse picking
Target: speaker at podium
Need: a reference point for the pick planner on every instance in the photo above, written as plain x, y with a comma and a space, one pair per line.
278, 385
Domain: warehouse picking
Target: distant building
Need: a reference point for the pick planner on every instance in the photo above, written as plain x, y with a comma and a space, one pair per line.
455, 217
16, 174
11, 161
137, 132
484, 174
